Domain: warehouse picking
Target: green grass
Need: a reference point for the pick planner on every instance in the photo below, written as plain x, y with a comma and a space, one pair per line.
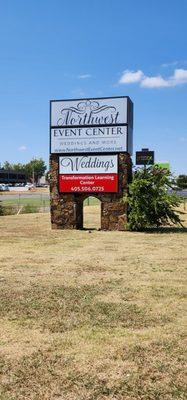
40, 201
91, 201
25, 201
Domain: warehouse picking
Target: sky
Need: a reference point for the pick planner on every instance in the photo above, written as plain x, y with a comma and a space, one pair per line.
94, 48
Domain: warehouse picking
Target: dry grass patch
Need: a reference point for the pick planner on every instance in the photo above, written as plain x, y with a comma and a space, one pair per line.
91, 316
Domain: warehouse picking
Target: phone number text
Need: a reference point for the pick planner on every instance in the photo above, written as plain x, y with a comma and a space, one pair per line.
87, 189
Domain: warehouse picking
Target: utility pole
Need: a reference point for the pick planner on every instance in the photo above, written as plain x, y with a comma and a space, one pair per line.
33, 181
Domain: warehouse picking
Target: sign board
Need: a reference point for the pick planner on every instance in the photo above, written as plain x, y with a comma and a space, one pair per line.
144, 157
163, 165
102, 125
89, 174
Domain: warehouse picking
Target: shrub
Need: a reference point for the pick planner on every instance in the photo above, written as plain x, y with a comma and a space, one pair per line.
7, 210
150, 203
1, 208
182, 181
29, 208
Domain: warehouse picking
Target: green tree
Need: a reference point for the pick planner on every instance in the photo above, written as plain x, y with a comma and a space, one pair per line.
35, 168
47, 176
150, 203
182, 181
7, 165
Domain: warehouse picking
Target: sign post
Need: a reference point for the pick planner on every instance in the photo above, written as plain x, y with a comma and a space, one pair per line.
90, 147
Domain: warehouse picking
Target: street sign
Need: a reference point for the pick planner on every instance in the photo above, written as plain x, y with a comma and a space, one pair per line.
144, 157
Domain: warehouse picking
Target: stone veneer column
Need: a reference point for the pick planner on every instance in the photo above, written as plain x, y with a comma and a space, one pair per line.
67, 209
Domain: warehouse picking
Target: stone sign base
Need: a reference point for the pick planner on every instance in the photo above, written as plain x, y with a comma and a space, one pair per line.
67, 208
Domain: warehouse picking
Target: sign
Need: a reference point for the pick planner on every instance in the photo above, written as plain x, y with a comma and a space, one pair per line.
144, 157
91, 125
88, 164
163, 165
98, 183
89, 174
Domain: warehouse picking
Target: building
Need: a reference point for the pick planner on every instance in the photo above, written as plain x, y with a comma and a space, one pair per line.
13, 177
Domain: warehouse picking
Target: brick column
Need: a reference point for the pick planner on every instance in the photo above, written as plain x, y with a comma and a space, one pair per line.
67, 209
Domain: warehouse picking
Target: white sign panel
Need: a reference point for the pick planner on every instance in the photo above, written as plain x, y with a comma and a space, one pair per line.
89, 112
90, 125
88, 165
89, 140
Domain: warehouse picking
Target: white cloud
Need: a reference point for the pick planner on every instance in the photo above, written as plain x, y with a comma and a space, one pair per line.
154, 82
179, 77
174, 63
131, 77
84, 76
171, 64
22, 148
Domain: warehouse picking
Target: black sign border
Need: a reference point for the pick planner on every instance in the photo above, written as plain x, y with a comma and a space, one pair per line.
128, 124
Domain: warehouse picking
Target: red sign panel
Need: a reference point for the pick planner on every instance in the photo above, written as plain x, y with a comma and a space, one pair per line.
88, 183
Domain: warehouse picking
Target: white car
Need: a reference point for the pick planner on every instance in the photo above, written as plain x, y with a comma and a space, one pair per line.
29, 185
4, 188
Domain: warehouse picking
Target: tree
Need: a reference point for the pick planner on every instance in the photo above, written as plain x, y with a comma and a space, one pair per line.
7, 165
47, 176
150, 203
35, 169
182, 181
19, 167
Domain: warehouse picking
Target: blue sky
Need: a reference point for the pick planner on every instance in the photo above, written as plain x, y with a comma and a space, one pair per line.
94, 48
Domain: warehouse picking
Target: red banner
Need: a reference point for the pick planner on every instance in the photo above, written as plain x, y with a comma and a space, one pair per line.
88, 183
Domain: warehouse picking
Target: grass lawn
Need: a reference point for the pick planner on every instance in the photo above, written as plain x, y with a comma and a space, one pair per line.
25, 201
91, 315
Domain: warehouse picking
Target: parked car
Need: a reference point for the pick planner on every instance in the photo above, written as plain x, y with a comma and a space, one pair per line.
4, 188
42, 185
29, 186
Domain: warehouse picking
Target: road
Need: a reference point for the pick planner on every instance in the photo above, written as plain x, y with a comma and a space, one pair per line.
182, 193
